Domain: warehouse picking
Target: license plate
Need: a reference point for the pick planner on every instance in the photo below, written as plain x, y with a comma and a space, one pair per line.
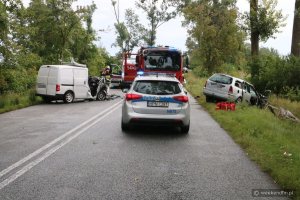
157, 104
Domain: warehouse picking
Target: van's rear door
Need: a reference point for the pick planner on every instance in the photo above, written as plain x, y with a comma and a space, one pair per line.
81, 87
52, 81
42, 79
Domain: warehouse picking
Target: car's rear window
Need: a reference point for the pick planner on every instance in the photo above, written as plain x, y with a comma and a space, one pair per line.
219, 78
157, 87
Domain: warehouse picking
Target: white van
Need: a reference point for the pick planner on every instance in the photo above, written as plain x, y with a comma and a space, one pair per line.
63, 82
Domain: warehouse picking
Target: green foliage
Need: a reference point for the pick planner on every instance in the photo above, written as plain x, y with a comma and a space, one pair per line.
214, 37
279, 74
17, 80
13, 101
53, 28
200, 72
101, 60
130, 32
47, 32
266, 21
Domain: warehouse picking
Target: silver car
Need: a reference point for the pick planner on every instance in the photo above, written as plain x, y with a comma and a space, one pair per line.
229, 88
156, 100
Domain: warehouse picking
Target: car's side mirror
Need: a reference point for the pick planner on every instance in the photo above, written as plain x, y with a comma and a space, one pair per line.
125, 90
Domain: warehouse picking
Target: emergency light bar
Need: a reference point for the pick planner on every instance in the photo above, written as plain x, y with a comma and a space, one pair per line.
157, 74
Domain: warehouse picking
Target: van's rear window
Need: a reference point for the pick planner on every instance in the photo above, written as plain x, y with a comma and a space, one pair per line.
157, 87
219, 78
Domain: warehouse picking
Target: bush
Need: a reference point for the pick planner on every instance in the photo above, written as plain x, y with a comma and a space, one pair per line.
17, 80
13, 101
200, 72
279, 74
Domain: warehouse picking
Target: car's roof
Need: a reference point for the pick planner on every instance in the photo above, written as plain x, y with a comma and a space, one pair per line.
241, 80
63, 66
157, 78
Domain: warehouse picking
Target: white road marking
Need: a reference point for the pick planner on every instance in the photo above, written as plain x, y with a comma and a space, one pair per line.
40, 150
51, 151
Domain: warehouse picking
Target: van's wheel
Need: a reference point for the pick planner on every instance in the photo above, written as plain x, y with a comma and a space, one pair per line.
101, 96
68, 97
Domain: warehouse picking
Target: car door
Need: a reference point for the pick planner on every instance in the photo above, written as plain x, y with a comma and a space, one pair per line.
247, 92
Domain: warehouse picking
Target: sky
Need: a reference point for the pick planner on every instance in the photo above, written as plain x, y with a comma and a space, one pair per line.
172, 33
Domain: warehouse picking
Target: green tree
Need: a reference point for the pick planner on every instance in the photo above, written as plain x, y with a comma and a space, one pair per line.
10, 21
54, 27
262, 22
130, 32
214, 36
158, 13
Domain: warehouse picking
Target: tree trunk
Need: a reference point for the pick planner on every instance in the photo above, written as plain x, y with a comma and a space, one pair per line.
254, 31
295, 49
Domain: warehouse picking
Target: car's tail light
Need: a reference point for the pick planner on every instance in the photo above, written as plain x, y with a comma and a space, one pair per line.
205, 83
182, 98
130, 97
57, 87
230, 90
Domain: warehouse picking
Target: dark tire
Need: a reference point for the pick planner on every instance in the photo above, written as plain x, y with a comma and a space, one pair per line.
101, 96
47, 99
69, 97
124, 127
185, 129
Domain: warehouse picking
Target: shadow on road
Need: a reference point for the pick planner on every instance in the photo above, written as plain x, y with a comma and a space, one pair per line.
157, 133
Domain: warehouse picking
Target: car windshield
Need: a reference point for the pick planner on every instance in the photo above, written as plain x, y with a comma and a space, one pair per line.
219, 78
157, 87
162, 60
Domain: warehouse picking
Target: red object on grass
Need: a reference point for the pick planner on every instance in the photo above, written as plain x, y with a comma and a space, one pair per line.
225, 106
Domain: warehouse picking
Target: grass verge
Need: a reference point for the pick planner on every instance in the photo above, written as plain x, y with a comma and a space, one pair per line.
274, 144
14, 101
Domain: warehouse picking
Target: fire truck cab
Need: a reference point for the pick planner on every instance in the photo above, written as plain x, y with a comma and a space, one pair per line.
152, 59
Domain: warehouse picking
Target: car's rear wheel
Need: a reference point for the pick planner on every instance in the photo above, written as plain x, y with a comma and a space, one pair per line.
124, 126
239, 100
185, 129
208, 99
69, 97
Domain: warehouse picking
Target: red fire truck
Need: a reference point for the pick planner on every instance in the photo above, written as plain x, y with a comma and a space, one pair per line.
152, 59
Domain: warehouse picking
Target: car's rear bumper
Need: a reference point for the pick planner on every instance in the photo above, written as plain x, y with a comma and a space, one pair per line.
179, 119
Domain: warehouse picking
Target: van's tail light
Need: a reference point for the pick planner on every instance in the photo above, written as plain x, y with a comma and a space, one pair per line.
130, 97
182, 98
205, 83
57, 87
230, 90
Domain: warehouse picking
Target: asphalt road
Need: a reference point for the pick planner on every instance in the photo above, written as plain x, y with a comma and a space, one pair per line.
78, 151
